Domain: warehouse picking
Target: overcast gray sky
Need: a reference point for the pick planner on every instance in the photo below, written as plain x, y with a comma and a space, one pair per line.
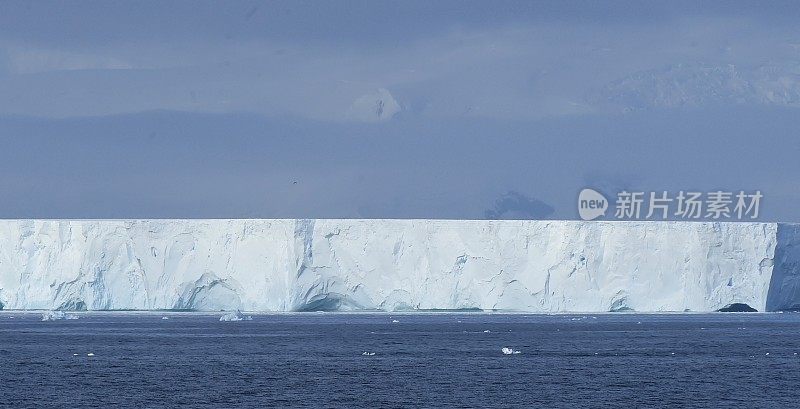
446, 109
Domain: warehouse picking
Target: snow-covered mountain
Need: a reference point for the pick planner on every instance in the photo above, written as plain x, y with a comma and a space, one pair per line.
299, 265
698, 84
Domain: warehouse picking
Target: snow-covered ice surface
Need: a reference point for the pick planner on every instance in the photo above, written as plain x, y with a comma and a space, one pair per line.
345, 265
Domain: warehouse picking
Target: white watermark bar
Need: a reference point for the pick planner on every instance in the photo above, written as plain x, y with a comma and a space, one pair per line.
663, 205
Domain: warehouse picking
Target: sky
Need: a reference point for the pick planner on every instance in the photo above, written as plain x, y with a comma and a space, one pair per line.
375, 109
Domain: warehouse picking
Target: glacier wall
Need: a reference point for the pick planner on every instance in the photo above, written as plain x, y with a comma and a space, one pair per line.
300, 265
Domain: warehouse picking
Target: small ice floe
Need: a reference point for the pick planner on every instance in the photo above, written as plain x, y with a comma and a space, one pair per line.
90, 354
58, 315
74, 354
164, 318
365, 353
53, 315
235, 316
395, 321
767, 354
575, 319
509, 351
672, 353
486, 331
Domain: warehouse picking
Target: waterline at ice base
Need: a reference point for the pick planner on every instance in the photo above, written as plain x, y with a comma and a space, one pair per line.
398, 265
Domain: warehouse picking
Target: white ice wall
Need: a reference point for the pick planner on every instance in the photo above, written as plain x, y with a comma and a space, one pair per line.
279, 265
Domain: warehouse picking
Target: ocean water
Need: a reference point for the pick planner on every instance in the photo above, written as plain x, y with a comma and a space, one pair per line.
420, 360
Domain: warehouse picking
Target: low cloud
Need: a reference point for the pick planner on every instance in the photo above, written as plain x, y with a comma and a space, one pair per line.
513, 69
32, 60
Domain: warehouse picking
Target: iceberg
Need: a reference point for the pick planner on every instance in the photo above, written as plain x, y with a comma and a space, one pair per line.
53, 316
57, 315
235, 316
397, 265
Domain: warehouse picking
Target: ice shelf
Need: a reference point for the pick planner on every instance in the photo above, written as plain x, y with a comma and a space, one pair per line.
321, 264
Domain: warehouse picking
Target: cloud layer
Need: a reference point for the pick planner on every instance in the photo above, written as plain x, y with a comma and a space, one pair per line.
387, 109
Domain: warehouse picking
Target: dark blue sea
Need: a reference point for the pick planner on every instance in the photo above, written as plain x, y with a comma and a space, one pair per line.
436, 360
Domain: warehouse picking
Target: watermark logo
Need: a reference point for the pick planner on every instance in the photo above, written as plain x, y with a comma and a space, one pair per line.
685, 205
591, 204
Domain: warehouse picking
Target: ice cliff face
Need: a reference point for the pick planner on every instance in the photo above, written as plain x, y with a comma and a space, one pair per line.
300, 265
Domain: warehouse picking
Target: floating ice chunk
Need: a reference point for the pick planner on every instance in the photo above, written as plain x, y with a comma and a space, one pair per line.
70, 317
395, 321
365, 353
486, 331
53, 315
767, 354
164, 318
74, 354
235, 316
509, 351
90, 354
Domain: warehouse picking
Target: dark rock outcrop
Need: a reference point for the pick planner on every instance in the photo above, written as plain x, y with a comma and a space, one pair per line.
737, 307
